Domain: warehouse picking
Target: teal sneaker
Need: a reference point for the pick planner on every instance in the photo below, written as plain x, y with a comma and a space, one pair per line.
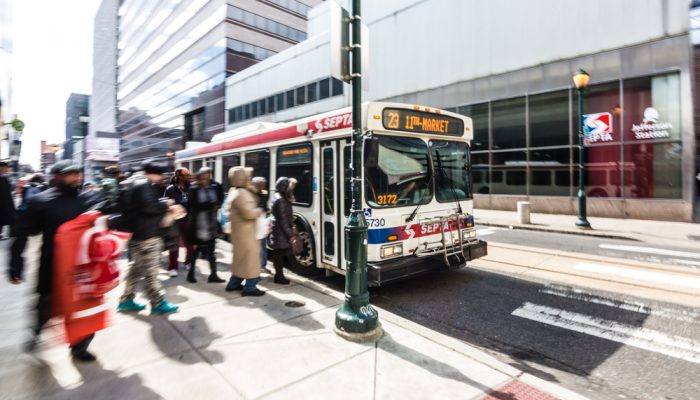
164, 308
130, 305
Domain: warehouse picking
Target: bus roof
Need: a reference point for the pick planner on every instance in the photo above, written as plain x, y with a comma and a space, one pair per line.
315, 126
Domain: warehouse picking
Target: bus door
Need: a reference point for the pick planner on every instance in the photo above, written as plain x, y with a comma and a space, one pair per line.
344, 193
329, 207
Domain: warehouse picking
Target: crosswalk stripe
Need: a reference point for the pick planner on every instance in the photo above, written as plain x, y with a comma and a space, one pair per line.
643, 338
649, 250
656, 277
638, 307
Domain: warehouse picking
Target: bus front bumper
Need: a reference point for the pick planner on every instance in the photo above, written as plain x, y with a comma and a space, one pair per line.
383, 272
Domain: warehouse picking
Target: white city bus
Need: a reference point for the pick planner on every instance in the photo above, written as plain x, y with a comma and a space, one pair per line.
416, 191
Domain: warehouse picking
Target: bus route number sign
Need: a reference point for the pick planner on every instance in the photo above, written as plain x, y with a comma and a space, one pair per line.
396, 119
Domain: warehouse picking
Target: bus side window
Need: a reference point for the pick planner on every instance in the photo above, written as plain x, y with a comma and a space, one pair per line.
260, 162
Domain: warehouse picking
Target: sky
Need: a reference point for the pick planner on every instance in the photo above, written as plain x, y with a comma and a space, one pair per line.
52, 59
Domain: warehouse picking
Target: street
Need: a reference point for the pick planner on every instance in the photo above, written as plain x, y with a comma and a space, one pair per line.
600, 344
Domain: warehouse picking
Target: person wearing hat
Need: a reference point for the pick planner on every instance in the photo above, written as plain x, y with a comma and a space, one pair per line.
177, 191
7, 203
45, 213
144, 214
205, 199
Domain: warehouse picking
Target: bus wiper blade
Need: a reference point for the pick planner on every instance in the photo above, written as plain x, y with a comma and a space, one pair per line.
452, 185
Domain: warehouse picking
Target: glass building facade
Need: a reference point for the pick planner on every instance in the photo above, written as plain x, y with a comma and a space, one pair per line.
528, 145
174, 57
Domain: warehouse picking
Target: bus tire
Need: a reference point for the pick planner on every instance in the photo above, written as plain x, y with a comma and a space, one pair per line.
305, 262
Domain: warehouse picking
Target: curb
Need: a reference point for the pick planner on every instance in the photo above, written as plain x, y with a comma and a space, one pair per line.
557, 230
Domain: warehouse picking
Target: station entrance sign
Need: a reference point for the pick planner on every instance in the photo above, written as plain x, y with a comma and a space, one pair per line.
597, 128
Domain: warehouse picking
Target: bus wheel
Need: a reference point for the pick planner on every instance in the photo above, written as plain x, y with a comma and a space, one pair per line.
304, 262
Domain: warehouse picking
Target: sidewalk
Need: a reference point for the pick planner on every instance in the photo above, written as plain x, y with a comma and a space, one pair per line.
669, 233
223, 346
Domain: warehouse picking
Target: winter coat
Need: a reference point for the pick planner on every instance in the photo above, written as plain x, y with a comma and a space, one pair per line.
45, 213
207, 210
148, 210
7, 203
282, 213
243, 215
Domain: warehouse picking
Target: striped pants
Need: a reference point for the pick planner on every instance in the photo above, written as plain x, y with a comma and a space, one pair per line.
145, 256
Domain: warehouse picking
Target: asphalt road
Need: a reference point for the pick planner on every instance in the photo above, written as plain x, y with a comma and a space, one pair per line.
627, 249
502, 316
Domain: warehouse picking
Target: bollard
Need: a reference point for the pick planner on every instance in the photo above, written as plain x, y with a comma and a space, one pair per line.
524, 212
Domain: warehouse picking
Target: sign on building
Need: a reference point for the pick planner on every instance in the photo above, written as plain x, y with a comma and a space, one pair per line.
340, 40
597, 128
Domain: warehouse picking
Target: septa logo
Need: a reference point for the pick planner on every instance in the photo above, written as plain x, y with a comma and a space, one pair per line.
597, 128
334, 122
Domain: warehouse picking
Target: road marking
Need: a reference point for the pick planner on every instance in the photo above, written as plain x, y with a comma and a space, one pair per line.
649, 250
488, 231
674, 280
638, 307
686, 262
643, 338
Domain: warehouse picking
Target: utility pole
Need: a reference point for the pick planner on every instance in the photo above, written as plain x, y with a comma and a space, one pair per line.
356, 319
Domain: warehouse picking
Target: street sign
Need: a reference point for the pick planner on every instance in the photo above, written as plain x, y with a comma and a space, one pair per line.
597, 128
340, 45
17, 124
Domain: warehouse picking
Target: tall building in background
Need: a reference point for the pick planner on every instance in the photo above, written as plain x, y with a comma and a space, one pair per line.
102, 142
77, 118
48, 156
5, 75
174, 58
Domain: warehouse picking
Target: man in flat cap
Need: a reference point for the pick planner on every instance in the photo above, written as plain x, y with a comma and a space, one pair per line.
46, 212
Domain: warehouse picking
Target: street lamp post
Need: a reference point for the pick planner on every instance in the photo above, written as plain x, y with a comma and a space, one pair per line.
581, 79
356, 319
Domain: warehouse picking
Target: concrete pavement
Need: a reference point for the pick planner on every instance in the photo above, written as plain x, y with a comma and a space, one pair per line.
659, 232
222, 345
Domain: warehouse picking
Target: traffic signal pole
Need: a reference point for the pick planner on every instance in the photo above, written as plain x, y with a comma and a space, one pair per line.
356, 319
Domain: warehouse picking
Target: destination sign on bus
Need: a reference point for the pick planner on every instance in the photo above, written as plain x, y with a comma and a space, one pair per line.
396, 119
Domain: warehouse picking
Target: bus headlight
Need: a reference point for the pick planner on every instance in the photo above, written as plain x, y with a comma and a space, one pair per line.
392, 250
466, 235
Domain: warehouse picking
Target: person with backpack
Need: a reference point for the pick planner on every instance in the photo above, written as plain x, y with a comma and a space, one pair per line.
177, 191
204, 203
282, 231
28, 189
143, 211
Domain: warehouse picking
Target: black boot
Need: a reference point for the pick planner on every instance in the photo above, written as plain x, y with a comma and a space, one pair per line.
190, 275
214, 278
279, 278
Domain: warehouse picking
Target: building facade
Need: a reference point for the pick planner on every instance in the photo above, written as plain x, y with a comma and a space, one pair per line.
77, 117
5, 76
102, 141
48, 156
173, 60
514, 78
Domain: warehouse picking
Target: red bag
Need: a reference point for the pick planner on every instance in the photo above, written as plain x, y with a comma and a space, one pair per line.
85, 270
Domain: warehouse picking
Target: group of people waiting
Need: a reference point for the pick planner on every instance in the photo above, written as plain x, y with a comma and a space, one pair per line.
160, 217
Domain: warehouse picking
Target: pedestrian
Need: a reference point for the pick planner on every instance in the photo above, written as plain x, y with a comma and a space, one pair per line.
243, 214
7, 203
260, 185
204, 203
28, 188
110, 188
282, 231
46, 212
177, 191
144, 210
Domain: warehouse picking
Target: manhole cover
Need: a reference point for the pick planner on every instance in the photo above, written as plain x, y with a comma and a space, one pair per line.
294, 304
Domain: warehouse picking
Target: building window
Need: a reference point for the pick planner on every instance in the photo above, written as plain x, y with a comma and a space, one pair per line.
280, 102
290, 99
550, 171
337, 87
602, 98
295, 162
603, 175
549, 119
479, 113
271, 104
509, 173
301, 95
508, 123
324, 87
480, 172
653, 170
311, 92
652, 108
265, 24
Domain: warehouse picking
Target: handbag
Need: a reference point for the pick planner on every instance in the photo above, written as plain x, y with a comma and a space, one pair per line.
295, 241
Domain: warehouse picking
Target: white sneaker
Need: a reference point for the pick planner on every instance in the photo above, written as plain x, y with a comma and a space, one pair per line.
172, 273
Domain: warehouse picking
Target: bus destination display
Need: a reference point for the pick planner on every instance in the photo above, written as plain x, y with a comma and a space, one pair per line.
421, 122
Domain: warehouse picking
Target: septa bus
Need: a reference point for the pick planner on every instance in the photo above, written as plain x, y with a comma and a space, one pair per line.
416, 191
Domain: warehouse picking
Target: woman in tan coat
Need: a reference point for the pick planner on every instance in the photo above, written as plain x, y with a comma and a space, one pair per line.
242, 204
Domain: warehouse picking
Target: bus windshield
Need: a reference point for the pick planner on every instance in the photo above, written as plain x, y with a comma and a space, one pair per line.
402, 176
451, 165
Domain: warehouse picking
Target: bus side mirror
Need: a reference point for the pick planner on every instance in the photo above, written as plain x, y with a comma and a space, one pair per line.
371, 152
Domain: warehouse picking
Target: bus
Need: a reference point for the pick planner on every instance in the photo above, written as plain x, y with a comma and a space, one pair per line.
416, 191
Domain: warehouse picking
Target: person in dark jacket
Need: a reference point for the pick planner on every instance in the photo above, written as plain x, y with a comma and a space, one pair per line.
177, 191
32, 187
45, 213
282, 226
144, 212
204, 202
7, 203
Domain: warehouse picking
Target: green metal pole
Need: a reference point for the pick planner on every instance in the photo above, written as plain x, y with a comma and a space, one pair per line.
356, 319
581, 222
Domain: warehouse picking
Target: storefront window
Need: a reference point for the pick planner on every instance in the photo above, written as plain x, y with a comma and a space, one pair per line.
479, 113
653, 170
602, 98
652, 108
550, 172
603, 177
509, 173
508, 119
480, 172
549, 119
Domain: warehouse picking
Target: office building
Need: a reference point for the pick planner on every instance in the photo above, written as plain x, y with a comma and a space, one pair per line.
48, 156
174, 58
509, 66
77, 118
